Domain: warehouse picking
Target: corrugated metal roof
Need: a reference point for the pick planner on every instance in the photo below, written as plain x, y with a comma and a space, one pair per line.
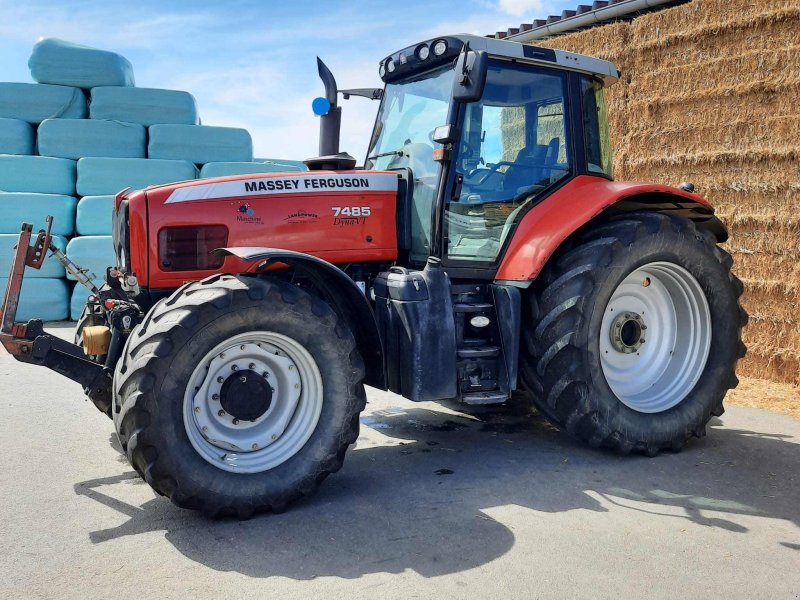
581, 9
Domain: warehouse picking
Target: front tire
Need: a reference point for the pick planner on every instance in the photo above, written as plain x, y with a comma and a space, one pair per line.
237, 395
634, 334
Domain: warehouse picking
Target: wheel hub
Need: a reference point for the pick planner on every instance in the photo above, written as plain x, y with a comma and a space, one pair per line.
627, 332
245, 395
655, 337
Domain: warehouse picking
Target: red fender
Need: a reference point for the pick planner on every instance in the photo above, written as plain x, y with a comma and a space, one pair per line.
545, 227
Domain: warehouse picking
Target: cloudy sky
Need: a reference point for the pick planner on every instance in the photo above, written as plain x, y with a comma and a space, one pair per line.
251, 63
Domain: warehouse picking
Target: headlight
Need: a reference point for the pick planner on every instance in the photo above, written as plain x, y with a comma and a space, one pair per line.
381, 70
390, 66
439, 47
423, 52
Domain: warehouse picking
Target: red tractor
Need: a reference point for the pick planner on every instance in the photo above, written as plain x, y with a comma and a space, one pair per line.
484, 247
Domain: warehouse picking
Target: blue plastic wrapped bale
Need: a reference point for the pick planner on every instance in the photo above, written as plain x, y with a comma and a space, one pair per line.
45, 299
147, 106
221, 169
42, 174
94, 215
200, 144
101, 176
285, 164
16, 136
76, 138
64, 63
92, 252
80, 293
16, 207
35, 103
50, 268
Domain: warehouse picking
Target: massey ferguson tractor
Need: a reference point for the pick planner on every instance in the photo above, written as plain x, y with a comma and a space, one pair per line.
483, 248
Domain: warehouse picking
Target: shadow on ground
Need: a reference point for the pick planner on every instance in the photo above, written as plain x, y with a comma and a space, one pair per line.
419, 504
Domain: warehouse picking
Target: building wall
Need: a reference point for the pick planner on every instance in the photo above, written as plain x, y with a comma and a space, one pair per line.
710, 93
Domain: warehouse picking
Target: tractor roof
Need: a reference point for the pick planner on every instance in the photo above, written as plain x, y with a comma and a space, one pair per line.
408, 60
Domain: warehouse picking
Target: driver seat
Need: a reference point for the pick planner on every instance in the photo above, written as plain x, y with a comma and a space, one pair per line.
531, 165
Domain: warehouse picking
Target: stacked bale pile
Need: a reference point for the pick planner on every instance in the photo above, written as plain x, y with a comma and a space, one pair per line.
82, 133
709, 95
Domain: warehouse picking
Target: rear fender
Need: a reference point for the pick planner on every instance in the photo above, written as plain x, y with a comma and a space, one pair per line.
338, 289
547, 225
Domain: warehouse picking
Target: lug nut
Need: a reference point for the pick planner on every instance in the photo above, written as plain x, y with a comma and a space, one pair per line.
205, 429
220, 379
236, 421
265, 375
221, 413
241, 347
234, 367
215, 397
197, 409
254, 446
222, 355
252, 366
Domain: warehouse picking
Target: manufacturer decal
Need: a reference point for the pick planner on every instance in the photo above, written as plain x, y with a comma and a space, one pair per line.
247, 214
269, 185
350, 215
302, 216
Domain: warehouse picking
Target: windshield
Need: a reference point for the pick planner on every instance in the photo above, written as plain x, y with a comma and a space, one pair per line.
402, 139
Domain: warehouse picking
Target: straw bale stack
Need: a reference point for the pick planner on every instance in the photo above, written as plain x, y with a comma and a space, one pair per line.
709, 95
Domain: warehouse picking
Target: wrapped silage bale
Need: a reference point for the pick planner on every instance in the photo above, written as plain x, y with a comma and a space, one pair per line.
42, 174
77, 138
101, 176
19, 207
80, 293
146, 106
221, 169
45, 299
200, 144
34, 103
64, 63
16, 136
283, 163
92, 252
50, 268
94, 215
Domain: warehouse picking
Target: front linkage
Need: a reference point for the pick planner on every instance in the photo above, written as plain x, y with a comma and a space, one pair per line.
30, 343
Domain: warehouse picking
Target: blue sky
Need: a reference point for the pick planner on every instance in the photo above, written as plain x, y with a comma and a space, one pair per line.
252, 64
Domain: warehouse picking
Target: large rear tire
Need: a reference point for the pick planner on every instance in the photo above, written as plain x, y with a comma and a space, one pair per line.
634, 334
237, 395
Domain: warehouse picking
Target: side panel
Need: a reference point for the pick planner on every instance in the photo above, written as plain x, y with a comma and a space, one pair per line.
339, 217
547, 225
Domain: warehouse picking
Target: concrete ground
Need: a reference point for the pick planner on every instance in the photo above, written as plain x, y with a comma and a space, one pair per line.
434, 502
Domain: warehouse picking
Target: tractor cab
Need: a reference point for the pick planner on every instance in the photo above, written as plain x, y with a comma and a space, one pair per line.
481, 130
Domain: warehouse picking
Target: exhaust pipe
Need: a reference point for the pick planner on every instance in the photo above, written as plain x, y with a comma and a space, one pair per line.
330, 122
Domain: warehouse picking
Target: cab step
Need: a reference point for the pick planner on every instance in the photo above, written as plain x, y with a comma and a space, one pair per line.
472, 307
479, 352
493, 397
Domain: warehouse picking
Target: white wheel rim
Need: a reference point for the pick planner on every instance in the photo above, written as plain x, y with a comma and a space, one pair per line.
655, 337
253, 446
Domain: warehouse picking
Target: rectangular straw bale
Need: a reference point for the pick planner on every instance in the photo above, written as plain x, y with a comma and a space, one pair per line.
758, 265
701, 13
774, 367
675, 137
780, 64
757, 28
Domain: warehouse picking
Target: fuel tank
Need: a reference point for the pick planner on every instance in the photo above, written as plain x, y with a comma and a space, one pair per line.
339, 216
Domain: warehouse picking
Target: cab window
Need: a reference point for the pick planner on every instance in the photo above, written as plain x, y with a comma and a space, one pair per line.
514, 146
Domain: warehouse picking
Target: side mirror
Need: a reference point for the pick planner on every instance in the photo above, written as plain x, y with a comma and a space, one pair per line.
471, 69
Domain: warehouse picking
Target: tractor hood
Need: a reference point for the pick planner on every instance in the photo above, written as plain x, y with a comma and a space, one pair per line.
166, 234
